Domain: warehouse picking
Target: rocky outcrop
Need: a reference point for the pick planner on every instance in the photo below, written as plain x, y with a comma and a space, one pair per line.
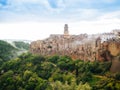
101, 47
115, 64
77, 49
114, 47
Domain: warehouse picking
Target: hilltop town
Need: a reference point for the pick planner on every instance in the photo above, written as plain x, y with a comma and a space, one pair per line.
101, 47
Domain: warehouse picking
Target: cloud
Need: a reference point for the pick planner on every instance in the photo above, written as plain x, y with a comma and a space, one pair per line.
57, 10
37, 30
111, 15
44, 17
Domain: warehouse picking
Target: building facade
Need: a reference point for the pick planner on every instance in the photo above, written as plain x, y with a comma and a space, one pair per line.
83, 46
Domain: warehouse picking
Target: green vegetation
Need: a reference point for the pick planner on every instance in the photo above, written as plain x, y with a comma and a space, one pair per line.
7, 51
21, 45
33, 72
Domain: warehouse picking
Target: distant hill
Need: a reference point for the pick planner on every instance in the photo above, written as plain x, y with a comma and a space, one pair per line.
10, 49
21, 45
7, 51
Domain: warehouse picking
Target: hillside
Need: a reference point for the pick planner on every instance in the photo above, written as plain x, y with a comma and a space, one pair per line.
7, 51
21, 45
11, 49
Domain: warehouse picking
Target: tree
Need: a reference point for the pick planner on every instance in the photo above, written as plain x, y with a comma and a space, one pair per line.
7, 51
53, 59
6, 80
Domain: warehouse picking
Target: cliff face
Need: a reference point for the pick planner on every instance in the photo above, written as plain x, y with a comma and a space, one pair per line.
57, 44
84, 47
101, 47
115, 64
114, 47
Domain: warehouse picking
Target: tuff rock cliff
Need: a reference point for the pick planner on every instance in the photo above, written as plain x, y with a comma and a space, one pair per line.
101, 47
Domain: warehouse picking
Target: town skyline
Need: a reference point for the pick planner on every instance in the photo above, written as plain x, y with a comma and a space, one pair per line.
37, 19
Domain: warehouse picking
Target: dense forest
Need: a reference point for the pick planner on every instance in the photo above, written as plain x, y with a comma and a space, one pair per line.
34, 72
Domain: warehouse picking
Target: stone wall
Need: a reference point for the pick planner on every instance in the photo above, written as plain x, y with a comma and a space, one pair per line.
83, 46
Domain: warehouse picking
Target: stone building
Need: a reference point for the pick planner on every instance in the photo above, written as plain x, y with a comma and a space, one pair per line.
83, 46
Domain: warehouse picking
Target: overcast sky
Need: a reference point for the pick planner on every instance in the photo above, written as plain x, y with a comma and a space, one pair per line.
37, 19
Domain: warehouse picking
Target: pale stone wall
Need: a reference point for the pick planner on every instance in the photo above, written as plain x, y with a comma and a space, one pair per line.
83, 46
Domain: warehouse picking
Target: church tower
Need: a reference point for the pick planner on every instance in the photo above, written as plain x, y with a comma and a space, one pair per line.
66, 32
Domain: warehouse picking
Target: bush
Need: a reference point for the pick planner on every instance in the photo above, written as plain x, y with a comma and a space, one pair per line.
117, 76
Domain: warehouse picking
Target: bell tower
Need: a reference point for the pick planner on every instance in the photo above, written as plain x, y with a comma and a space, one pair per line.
66, 32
